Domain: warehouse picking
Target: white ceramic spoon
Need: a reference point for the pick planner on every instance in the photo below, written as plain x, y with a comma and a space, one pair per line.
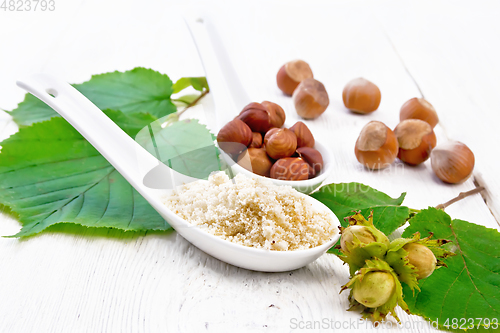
134, 163
230, 96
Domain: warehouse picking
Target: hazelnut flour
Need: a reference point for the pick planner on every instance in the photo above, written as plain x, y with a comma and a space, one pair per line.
254, 213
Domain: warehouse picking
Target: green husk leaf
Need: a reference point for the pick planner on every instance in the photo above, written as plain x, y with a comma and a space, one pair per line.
470, 287
139, 90
397, 258
377, 314
358, 252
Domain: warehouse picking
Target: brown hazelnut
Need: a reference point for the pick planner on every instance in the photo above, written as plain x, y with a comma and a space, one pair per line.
310, 99
361, 96
377, 146
290, 168
256, 161
234, 137
280, 142
313, 158
419, 108
291, 74
303, 134
256, 140
256, 117
277, 115
416, 140
452, 162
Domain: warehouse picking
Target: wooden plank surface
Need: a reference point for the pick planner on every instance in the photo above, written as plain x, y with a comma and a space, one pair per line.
456, 67
79, 280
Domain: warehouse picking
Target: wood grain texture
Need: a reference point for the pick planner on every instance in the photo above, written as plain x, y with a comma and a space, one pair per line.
73, 279
456, 68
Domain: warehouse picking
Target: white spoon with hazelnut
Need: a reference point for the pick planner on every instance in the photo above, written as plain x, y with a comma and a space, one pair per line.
135, 163
234, 136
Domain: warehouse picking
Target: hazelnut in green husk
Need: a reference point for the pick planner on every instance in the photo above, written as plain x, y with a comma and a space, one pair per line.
361, 241
374, 289
362, 233
377, 290
422, 258
414, 258
378, 267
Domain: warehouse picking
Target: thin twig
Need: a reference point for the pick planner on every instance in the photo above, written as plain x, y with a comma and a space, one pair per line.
461, 196
194, 102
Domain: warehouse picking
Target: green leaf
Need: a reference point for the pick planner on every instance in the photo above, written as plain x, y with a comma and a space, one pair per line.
186, 99
344, 198
139, 90
198, 83
185, 146
470, 286
50, 174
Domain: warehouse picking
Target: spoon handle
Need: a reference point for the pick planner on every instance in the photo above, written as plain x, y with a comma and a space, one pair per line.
225, 86
126, 155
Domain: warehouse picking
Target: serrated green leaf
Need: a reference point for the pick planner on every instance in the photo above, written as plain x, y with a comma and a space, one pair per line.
344, 198
186, 146
470, 286
139, 90
198, 83
50, 174
428, 221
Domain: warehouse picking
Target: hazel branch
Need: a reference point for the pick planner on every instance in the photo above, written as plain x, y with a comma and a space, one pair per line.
194, 102
461, 196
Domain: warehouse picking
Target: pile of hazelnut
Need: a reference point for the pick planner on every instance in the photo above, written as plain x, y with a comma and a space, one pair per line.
413, 140
257, 141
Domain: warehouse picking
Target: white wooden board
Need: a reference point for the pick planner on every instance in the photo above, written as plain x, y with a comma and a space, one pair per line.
109, 281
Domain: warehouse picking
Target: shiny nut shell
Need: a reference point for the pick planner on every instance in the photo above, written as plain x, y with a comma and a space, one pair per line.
234, 137
419, 108
256, 117
303, 134
256, 160
361, 96
310, 99
377, 146
291, 74
256, 140
416, 140
280, 142
290, 168
453, 162
277, 115
313, 158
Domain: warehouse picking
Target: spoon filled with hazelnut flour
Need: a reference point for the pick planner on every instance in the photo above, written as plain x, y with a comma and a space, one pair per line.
249, 223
